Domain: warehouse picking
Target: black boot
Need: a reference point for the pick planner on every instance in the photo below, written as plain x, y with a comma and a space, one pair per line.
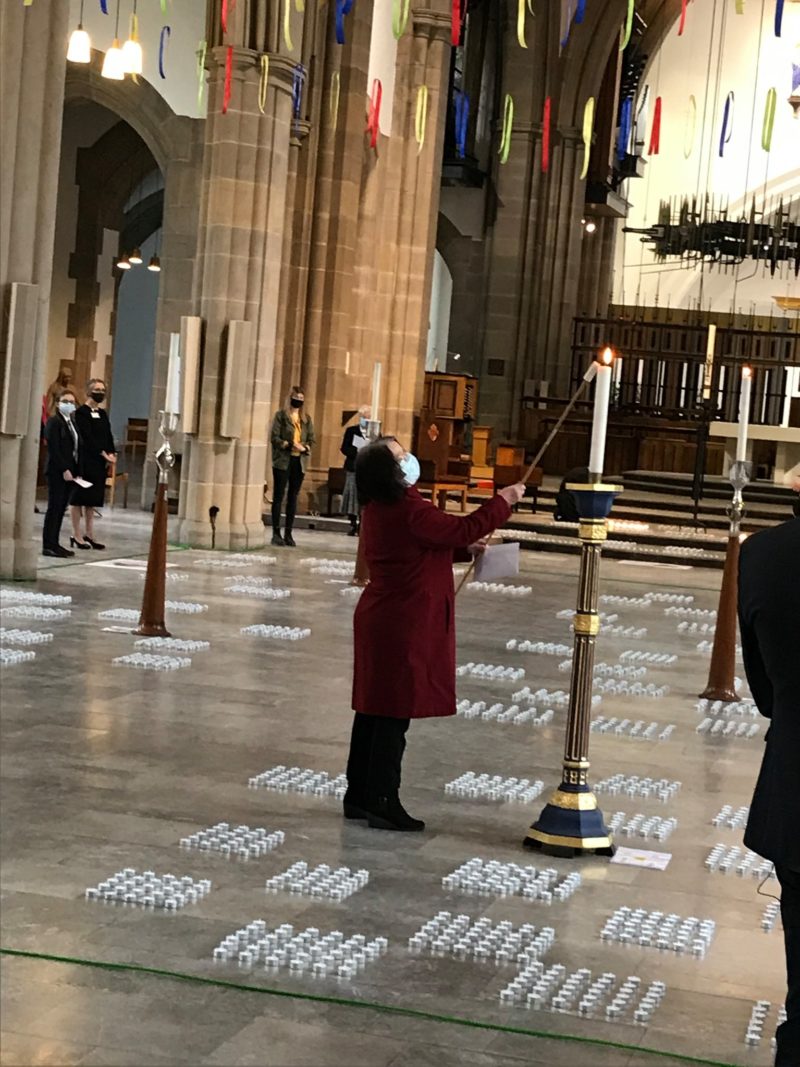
277, 540
387, 813
355, 799
354, 806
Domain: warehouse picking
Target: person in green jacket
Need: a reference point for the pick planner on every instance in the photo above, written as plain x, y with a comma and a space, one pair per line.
292, 440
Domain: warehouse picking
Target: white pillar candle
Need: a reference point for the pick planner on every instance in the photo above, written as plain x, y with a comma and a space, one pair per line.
376, 393
709, 367
602, 395
744, 415
172, 403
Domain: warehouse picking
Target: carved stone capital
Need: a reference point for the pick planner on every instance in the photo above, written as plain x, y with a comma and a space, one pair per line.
247, 64
432, 24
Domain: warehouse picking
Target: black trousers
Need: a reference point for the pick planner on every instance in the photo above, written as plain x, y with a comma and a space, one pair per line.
788, 1035
282, 480
377, 744
58, 494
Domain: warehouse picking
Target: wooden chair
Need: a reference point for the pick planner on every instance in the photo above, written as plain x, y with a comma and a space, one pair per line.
111, 486
336, 479
135, 435
439, 485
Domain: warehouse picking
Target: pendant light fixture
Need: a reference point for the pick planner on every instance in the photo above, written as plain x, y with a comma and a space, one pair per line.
135, 258
132, 50
154, 264
123, 263
114, 64
79, 49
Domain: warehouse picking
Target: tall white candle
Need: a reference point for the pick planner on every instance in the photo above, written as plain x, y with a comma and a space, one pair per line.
709, 367
602, 395
172, 403
744, 414
376, 393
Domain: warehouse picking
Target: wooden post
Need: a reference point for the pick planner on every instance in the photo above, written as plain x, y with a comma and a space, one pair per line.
722, 670
151, 618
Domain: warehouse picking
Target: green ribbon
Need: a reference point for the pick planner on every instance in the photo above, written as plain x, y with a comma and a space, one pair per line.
626, 33
769, 119
400, 12
508, 119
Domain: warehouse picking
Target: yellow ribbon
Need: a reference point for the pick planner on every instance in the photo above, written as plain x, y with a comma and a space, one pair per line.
508, 119
27, 3
739, 7
588, 126
521, 23
287, 25
691, 123
769, 119
134, 36
400, 12
262, 85
299, 6
421, 117
334, 102
626, 33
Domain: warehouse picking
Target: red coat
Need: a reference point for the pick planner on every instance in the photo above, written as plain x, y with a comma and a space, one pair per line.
405, 639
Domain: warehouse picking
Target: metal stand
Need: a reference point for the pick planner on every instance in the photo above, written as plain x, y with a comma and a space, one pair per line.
571, 823
151, 619
361, 573
722, 669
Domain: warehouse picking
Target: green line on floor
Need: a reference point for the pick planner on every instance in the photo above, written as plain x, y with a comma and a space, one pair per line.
348, 1002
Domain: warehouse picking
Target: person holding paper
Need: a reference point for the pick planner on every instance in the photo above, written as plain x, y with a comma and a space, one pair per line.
354, 439
404, 624
292, 439
61, 469
98, 453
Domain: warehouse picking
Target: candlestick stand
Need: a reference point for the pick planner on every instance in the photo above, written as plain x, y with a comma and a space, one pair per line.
361, 573
151, 619
722, 669
571, 822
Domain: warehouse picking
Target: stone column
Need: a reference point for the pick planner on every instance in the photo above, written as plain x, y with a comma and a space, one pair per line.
242, 219
32, 101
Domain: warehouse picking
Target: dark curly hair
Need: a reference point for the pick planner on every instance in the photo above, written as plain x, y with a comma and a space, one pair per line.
378, 474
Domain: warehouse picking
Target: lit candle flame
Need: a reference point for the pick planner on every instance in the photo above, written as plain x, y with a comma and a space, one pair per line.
607, 357
747, 372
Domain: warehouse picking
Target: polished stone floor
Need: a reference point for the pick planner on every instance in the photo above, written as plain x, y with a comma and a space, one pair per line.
108, 767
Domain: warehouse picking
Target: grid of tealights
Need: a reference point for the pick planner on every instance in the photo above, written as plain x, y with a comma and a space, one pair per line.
624, 688
492, 878
501, 588
150, 890
500, 713
732, 818
472, 786
306, 952
282, 779
634, 786
146, 661
608, 670
490, 671
33, 611
637, 926
727, 858
544, 648
578, 993
557, 697
692, 613
720, 728
655, 659
172, 644
692, 628
744, 708
322, 882
277, 633
758, 1019
120, 614
633, 731
462, 938
640, 825
264, 592
11, 657
240, 841
335, 568
23, 637
23, 596
185, 607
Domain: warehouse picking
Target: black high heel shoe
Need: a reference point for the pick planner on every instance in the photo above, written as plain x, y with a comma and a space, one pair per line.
73, 541
93, 544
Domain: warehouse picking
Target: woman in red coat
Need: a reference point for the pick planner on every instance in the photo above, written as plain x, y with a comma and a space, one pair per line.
405, 642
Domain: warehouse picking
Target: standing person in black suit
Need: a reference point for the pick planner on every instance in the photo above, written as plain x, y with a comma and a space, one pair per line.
98, 452
769, 618
355, 437
61, 469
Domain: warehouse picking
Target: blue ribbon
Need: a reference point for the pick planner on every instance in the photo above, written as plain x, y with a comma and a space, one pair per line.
343, 7
162, 43
104, 6
625, 119
580, 11
725, 134
297, 92
778, 17
462, 122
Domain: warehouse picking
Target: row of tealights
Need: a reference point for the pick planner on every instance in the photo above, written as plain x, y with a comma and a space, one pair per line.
492, 878
172, 644
646, 600
147, 661
23, 637
283, 779
323, 881
634, 786
11, 657
491, 671
25, 596
236, 560
472, 786
720, 728
640, 825
727, 858
264, 592
558, 697
691, 628
277, 633
306, 952
150, 890
708, 646
34, 611
655, 659
709, 614
461, 937
729, 707
545, 648
608, 670
638, 926
634, 731
758, 1018
651, 691
500, 588
240, 841
499, 713
770, 916
555, 991
733, 818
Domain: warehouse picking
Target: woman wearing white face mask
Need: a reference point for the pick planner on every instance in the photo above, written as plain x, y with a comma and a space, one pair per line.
355, 437
61, 469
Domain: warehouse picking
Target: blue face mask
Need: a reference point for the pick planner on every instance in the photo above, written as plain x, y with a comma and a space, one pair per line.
362, 422
66, 407
409, 465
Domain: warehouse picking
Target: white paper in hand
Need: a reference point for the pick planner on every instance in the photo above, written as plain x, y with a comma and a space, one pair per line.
497, 561
359, 442
82, 483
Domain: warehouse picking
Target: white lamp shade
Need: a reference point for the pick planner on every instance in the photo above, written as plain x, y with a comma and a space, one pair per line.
132, 56
80, 47
113, 65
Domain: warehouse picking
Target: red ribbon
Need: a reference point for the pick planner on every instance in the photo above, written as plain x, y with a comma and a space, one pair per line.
546, 137
455, 24
374, 113
226, 92
227, 9
655, 132
682, 23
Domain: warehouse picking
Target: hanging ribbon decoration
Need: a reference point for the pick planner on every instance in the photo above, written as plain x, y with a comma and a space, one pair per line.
508, 121
287, 25
727, 124
739, 7
565, 39
588, 126
462, 122
334, 101
521, 23
580, 12
299, 6
691, 124
400, 12
546, 136
298, 81
625, 120
628, 28
224, 16
421, 117
104, 6
163, 7
343, 7
162, 48
769, 119
263, 82
655, 131
778, 17
682, 23
134, 36
455, 24
374, 113
226, 91
202, 48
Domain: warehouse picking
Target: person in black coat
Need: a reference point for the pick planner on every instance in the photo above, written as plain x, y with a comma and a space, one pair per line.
98, 452
61, 469
355, 437
769, 619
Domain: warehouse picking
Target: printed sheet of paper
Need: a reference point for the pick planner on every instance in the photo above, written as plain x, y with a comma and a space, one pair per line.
82, 483
359, 442
498, 561
640, 857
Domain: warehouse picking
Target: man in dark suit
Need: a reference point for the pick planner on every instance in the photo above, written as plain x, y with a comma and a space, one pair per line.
769, 618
